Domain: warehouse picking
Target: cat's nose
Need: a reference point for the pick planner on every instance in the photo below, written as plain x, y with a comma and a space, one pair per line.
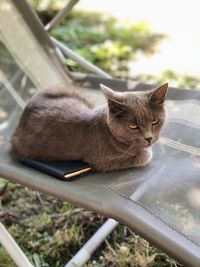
149, 139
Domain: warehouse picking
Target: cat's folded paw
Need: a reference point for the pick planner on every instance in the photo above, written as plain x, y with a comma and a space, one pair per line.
143, 159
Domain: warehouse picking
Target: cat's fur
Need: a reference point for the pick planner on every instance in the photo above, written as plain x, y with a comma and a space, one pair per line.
58, 125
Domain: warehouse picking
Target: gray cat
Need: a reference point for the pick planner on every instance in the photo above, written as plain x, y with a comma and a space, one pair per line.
58, 125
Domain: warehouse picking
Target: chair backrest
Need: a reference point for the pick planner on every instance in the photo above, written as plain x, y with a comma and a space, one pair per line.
28, 60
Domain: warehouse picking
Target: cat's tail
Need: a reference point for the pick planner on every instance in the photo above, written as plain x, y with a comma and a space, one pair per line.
60, 91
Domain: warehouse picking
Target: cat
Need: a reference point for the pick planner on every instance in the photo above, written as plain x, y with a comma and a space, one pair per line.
61, 125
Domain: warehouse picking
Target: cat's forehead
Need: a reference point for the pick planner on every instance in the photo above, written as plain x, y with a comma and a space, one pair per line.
138, 106
136, 99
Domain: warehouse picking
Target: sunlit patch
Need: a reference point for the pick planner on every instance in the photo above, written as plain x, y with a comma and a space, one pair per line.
2, 140
2, 76
32, 90
195, 161
3, 113
194, 197
5, 6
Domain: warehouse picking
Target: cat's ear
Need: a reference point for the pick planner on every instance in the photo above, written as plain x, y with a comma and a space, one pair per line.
115, 101
158, 95
108, 92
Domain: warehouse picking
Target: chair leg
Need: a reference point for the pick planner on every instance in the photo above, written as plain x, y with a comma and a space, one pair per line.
13, 249
84, 254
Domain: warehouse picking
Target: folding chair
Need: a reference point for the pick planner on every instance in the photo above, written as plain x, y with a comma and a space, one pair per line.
159, 202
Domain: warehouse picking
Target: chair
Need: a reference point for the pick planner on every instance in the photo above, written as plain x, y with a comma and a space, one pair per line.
149, 200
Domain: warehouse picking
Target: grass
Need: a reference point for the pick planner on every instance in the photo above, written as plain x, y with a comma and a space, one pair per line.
5, 260
50, 232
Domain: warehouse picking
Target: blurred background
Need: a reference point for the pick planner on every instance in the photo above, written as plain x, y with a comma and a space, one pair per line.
146, 40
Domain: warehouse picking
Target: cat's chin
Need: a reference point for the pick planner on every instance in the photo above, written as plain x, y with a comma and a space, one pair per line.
149, 146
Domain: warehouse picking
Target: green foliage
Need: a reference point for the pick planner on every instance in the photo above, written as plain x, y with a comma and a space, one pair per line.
5, 260
106, 42
101, 39
173, 78
50, 5
3, 184
50, 232
109, 43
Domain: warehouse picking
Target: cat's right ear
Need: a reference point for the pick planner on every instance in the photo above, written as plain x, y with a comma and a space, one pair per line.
115, 102
158, 96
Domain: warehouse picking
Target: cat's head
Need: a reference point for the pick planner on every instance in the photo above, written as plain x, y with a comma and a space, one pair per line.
136, 117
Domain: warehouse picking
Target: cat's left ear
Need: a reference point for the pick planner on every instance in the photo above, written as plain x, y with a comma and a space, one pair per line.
158, 96
108, 92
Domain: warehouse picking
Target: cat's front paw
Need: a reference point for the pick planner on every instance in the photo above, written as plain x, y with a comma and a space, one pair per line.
144, 158
149, 155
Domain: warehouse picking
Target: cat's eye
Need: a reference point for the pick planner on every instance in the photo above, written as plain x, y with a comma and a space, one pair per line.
155, 122
133, 126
